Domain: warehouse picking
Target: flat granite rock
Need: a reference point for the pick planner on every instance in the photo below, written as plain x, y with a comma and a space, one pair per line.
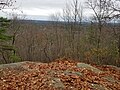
111, 79
89, 67
60, 79
19, 66
11, 65
72, 73
98, 87
57, 83
16, 66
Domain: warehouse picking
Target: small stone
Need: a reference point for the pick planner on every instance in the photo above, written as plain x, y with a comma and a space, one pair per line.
89, 67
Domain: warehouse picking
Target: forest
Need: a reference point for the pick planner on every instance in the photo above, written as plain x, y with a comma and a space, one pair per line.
69, 35
69, 51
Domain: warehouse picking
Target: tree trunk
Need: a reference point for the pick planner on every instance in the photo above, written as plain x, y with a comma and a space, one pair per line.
99, 40
119, 46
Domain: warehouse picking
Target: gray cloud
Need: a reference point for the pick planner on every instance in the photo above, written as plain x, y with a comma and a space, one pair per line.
40, 8
42, 3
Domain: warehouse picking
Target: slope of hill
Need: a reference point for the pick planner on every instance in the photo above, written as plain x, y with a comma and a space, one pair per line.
62, 74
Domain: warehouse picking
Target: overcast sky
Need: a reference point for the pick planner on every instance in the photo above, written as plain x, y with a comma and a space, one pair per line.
39, 9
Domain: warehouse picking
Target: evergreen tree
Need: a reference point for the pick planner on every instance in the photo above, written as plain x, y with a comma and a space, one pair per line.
6, 50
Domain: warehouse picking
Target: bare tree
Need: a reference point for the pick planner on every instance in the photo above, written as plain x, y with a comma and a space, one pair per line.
115, 6
55, 27
101, 9
6, 3
72, 15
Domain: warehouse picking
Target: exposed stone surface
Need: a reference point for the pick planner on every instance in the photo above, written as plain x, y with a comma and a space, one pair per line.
86, 66
58, 75
56, 82
98, 87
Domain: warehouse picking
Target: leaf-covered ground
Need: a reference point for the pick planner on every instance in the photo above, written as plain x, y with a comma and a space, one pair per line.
62, 74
